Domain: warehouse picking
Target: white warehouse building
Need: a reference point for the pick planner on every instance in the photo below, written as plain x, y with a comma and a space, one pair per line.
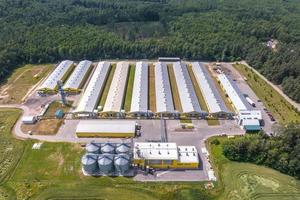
60, 73
235, 95
116, 94
78, 77
189, 101
163, 95
91, 95
139, 102
212, 98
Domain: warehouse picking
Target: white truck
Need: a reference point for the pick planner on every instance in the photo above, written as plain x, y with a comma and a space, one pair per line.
250, 101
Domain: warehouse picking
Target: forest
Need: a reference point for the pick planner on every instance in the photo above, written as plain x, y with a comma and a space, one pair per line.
281, 152
42, 31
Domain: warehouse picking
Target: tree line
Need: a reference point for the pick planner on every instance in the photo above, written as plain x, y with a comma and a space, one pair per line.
38, 31
281, 152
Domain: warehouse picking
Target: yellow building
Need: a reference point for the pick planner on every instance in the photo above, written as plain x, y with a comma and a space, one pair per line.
165, 155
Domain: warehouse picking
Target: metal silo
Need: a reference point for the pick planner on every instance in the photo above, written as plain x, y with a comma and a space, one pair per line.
122, 148
108, 148
122, 163
105, 163
93, 147
89, 163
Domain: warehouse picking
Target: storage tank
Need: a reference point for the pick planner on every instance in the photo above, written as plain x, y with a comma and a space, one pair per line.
122, 148
93, 147
122, 163
108, 148
106, 163
89, 163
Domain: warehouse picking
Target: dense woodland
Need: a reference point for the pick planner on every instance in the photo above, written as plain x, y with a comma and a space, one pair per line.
281, 152
43, 31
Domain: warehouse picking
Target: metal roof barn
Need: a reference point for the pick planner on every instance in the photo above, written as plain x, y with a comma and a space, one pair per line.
208, 89
187, 95
164, 101
78, 76
106, 128
59, 73
139, 102
116, 92
235, 95
91, 95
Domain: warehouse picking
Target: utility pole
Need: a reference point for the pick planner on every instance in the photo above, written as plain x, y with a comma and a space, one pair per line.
62, 92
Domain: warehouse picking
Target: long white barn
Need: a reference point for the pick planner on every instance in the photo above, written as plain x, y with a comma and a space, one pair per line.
213, 99
59, 73
235, 95
139, 102
91, 95
164, 101
116, 92
78, 76
187, 95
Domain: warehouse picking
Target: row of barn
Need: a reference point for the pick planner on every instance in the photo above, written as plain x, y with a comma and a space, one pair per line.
164, 103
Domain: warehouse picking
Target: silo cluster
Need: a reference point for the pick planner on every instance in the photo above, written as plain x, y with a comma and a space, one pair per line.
111, 159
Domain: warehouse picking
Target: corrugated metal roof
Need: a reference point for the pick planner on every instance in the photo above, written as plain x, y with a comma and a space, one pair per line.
117, 88
155, 151
187, 95
56, 75
237, 98
188, 154
76, 78
139, 102
91, 95
209, 91
106, 126
164, 101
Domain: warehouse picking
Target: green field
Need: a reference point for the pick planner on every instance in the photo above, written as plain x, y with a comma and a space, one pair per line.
151, 88
21, 80
128, 92
274, 102
107, 85
244, 181
174, 89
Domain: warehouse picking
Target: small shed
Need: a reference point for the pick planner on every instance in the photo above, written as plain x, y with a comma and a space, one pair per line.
28, 119
59, 114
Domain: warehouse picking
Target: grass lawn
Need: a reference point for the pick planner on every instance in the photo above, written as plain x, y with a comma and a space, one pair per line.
273, 101
21, 80
107, 84
197, 89
174, 88
185, 121
56, 105
243, 181
128, 93
151, 85
213, 122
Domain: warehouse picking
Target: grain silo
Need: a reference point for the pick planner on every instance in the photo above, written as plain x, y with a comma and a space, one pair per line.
122, 148
93, 147
108, 148
105, 163
89, 163
122, 163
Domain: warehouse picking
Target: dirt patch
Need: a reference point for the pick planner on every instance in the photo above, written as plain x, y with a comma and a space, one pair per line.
43, 127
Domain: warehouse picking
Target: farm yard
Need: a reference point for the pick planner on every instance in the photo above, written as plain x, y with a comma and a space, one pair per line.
42, 174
